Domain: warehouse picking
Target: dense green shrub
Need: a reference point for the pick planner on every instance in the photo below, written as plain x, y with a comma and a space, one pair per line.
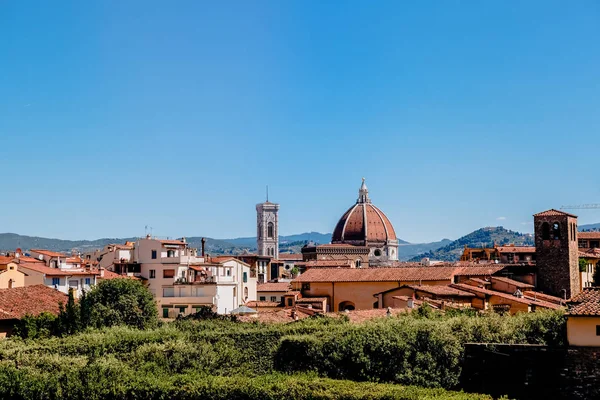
119, 302
409, 349
110, 303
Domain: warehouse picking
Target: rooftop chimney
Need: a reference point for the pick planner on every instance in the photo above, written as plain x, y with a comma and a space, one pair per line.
203, 244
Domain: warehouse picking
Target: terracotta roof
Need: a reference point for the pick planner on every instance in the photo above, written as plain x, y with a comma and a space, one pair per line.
30, 259
524, 300
112, 275
542, 296
256, 304
273, 287
290, 257
480, 281
591, 253
56, 271
377, 274
441, 290
325, 263
363, 221
15, 303
588, 235
553, 213
311, 299
516, 249
482, 270
48, 253
74, 260
587, 302
5, 259
512, 282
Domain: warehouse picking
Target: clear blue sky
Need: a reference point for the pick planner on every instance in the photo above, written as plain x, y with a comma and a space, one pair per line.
116, 115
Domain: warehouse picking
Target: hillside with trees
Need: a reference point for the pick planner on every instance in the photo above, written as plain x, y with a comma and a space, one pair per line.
484, 237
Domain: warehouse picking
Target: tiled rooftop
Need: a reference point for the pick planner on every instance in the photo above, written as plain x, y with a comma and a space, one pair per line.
512, 282
376, 274
587, 302
273, 287
17, 302
588, 235
516, 249
553, 213
49, 253
441, 290
524, 300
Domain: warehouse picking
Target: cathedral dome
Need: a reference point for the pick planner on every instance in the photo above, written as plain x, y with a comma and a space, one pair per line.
364, 224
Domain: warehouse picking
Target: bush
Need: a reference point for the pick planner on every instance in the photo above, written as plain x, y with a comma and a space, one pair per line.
119, 302
409, 349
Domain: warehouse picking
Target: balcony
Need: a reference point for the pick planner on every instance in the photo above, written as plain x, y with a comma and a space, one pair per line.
198, 281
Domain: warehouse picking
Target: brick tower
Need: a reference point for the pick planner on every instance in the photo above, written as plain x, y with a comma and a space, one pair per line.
557, 254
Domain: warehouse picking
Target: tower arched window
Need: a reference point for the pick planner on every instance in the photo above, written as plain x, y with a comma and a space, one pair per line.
545, 231
270, 230
556, 231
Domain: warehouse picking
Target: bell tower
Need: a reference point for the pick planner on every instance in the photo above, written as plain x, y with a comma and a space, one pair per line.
267, 229
557, 253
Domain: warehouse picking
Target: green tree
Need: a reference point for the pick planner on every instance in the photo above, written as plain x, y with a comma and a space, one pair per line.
69, 316
582, 264
119, 302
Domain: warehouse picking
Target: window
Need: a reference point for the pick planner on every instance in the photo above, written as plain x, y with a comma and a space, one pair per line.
245, 293
170, 253
270, 230
290, 301
545, 231
55, 281
262, 298
182, 310
169, 292
556, 231
273, 298
88, 281
245, 277
169, 273
74, 284
597, 330
10, 283
228, 271
377, 252
154, 254
306, 286
152, 273
165, 313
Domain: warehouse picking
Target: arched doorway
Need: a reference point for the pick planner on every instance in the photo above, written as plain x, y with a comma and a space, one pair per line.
346, 305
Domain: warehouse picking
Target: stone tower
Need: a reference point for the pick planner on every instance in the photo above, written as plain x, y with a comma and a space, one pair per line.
557, 253
267, 229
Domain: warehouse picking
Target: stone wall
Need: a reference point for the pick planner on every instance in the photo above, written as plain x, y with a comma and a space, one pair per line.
526, 372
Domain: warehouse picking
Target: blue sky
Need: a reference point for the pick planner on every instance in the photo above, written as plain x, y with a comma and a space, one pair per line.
177, 114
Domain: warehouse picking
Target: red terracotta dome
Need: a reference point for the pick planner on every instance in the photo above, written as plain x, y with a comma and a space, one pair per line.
363, 223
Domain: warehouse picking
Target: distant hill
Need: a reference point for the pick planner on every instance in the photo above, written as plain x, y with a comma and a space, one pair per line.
484, 237
589, 227
407, 251
290, 243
